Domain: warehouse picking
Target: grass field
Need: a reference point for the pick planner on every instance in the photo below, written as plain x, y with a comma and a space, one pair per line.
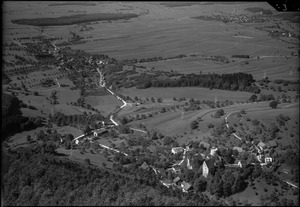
96, 159
105, 104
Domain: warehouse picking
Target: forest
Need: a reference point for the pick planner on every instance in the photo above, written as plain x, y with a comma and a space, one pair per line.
235, 81
73, 19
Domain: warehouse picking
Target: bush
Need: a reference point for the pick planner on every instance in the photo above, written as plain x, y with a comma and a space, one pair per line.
194, 125
210, 125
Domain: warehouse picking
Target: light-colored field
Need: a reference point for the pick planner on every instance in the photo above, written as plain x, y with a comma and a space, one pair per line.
188, 92
105, 104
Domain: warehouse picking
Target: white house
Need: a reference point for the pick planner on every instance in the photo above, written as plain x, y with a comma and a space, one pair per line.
176, 150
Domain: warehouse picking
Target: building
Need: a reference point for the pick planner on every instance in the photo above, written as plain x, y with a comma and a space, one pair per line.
261, 145
240, 163
185, 186
272, 144
213, 151
176, 180
239, 149
268, 159
166, 182
176, 150
144, 166
208, 167
204, 144
99, 132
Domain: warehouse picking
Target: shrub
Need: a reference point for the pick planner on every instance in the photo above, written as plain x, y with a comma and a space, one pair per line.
210, 125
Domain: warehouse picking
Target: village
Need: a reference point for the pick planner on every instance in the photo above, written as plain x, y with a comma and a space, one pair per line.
211, 156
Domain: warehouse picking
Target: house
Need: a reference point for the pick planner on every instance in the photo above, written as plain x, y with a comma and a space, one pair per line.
261, 145
204, 144
239, 149
176, 150
272, 144
144, 166
166, 182
176, 180
240, 163
213, 151
208, 167
268, 159
99, 132
185, 186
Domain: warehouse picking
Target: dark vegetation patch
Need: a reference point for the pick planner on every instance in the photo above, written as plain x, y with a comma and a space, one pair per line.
258, 9
293, 17
179, 4
12, 119
73, 19
73, 3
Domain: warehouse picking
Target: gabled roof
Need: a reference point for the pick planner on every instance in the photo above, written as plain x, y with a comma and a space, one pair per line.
272, 143
261, 144
205, 144
144, 166
176, 179
239, 149
185, 185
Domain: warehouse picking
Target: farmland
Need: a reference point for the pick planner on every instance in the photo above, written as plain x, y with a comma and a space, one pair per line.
155, 103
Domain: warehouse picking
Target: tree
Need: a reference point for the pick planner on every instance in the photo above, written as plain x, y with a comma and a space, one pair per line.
87, 130
253, 98
219, 113
273, 104
194, 124
87, 161
28, 138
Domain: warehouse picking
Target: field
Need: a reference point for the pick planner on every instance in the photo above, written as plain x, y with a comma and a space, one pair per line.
272, 66
105, 104
96, 159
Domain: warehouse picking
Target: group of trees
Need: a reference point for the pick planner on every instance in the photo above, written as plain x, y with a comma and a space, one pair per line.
235, 81
61, 119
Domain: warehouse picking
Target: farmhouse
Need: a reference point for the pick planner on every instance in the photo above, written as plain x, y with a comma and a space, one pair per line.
261, 145
176, 150
99, 132
213, 151
208, 167
239, 149
271, 144
185, 186
144, 166
176, 180
204, 144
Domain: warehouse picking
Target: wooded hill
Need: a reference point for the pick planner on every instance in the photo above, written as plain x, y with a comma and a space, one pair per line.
73, 19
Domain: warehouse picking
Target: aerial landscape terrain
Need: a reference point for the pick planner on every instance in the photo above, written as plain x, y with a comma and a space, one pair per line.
149, 103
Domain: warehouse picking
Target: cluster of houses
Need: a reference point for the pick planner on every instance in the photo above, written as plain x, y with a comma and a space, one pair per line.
211, 161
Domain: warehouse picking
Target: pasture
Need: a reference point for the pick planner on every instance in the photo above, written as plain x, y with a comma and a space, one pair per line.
105, 104
96, 159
